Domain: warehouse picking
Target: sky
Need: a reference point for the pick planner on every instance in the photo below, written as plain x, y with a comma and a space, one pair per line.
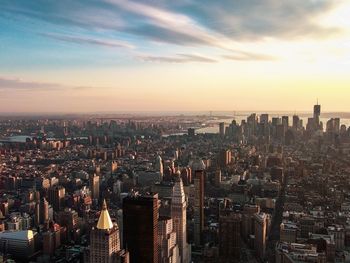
183, 55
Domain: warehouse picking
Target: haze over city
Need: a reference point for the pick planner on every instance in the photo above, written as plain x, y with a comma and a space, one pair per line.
186, 55
184, 131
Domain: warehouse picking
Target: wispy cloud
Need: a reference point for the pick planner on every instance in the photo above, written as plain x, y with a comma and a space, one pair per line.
90, 41
247, 56
186, 23
162, 24
179, 58
7, 84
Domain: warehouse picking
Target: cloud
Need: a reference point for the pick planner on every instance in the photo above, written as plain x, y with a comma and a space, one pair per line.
247, 56
87, 14
172, 26
255, 19
219, 23
20, 85
179, 58
185, 23
90, 41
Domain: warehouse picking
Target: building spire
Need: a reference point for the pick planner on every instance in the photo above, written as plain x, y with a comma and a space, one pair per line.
104, 205
104, 222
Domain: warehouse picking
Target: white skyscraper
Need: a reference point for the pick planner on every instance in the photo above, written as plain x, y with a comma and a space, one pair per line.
168, 248
159, 166
178, 214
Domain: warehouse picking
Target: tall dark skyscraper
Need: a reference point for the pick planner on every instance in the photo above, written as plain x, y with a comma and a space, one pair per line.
229, 236
296, 122
140, 227
222, 129
317, 113
198, 168
56, 197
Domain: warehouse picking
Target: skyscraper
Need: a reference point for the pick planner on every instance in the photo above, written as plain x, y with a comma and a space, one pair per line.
317, 113
178, 214
296, 122
105, 241
159, 166
224, 157
222, 129
41, 212
94, 187
140, 227
248, 220
264, 118
191, 132
260, 235
229, 236
168, 249
56, 197
198, 167
285, 121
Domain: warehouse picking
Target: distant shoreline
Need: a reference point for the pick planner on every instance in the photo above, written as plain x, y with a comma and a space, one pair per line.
150, 114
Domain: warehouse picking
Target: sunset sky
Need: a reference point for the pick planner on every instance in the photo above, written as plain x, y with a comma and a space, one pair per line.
182, 55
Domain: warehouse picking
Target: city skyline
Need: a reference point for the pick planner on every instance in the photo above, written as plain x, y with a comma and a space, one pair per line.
103, 189
115, 55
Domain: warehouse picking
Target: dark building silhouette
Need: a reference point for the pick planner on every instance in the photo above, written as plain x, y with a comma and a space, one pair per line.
140, 227
198, 167
56, 197
229, 236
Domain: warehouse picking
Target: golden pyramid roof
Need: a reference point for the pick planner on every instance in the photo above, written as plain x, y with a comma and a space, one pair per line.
104, 222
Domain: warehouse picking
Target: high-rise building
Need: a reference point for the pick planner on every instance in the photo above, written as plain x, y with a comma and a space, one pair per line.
276, 121
140, 227
317, 113
337, 125
198, 180
229, 236
191, 132
159, 166
285, 121
260, 235
105, 241
68, 218
41, 212
94, 184
248, 220
19, 244
296, 122
264, 118
51, 239
178, 214
252, 124
56, 197
224, 157
168, 249
222, 129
